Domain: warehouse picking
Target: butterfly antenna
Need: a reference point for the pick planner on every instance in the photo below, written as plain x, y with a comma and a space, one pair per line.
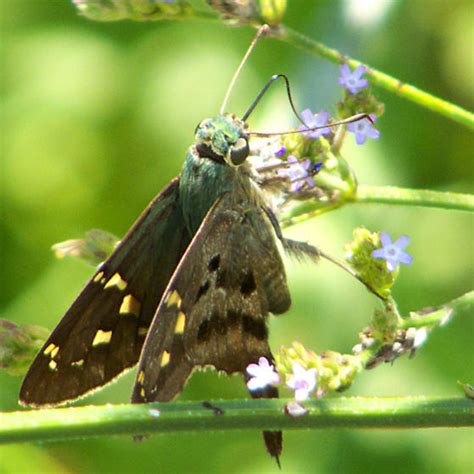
353, 118
264, 90
261, 31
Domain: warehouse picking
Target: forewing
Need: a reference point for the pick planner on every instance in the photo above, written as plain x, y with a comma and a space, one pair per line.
215, 308
103, 332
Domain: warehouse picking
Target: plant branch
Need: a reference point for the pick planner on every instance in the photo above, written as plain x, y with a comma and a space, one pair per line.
461, 306
415, 197
384, 195
63, 424
378, 78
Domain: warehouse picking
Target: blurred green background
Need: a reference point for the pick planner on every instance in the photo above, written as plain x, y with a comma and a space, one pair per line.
96, 119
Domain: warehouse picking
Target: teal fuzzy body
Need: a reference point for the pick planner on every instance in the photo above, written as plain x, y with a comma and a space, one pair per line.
204, 180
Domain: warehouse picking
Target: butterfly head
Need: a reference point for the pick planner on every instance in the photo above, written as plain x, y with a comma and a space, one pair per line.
223, 139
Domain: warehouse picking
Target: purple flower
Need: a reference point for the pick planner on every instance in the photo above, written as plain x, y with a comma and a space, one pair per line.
302, 381
363, 129
315, 120
394, 253
262, 374
352, 81
279, 150
268, 154
297, 173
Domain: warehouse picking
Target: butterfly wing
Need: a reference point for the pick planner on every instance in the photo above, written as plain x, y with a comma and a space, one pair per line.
215, 308
103, 331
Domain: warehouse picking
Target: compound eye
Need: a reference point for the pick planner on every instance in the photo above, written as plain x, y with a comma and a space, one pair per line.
239, 152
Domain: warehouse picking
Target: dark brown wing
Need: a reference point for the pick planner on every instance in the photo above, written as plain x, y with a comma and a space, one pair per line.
102, 333
215, 308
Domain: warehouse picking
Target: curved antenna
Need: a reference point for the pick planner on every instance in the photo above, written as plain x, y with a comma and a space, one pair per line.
261, 31
353, 118
264, 90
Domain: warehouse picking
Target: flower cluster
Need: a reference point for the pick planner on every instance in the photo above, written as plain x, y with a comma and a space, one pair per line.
298, 172
375, 258
250, 11
105, 10
94, 248
403, 341
302, 381
18, 346
307, 151
359, 99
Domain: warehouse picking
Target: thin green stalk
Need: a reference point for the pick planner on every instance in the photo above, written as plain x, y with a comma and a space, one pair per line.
63, 424
461, 306
383, 195
378, 78
415, 197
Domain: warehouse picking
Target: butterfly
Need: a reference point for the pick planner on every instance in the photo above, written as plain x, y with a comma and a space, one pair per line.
190, 285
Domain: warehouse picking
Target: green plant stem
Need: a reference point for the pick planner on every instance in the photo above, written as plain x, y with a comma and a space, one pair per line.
461, 306
378, 78
384, 195
63, 424
415, 197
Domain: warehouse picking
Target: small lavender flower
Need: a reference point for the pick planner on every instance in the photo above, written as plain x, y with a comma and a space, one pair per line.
262, 374
267, 153
297, 173
315, 120
273, 150
363, 129
302, 381
352, 81
279, 150
393, 253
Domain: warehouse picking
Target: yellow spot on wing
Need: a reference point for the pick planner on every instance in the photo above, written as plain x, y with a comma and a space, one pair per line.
117, 281
180, 323
49, 349
98, 277
142, 392
102, 337
130, 305
142, 331
173, 298
141, 377
77, 363
52, 365
165, 359
54, 352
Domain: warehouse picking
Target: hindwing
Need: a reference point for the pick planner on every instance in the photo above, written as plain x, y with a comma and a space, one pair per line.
215, 308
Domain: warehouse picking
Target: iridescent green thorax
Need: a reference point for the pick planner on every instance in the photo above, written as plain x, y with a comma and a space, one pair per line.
214, 165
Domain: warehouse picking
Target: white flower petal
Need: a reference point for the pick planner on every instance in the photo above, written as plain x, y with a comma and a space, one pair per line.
295, 409
301, 394
253, 384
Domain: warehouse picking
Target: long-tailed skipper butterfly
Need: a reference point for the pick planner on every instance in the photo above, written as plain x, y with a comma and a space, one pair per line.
190, 285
